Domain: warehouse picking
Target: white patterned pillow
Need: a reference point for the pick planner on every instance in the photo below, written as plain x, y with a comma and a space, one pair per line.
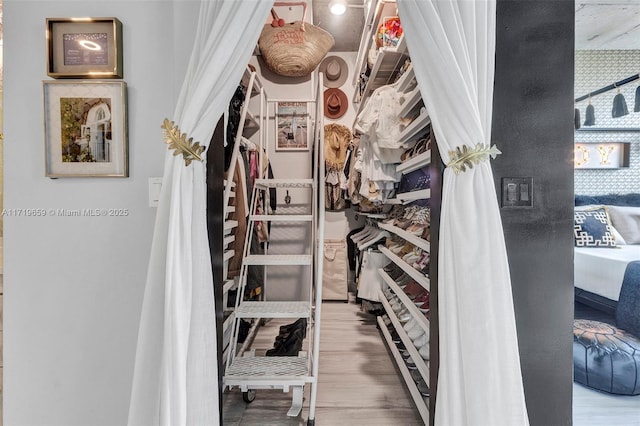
592, 229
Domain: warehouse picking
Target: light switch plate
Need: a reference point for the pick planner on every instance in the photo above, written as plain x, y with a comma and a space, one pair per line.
155, 185
517, 192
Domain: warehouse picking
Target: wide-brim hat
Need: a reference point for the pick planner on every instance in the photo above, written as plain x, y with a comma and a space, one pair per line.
335, 103
335, 71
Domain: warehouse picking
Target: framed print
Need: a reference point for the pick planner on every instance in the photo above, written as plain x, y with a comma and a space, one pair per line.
84, 48
85, 128
292, 126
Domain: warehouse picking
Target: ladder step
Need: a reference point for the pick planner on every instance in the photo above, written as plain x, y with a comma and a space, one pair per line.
273, 310
265, 368
277, 259
282, 217
284, 183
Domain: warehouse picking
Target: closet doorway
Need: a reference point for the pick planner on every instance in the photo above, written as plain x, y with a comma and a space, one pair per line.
607, 52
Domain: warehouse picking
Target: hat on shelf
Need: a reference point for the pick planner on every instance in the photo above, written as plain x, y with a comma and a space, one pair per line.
335, 71
335, 103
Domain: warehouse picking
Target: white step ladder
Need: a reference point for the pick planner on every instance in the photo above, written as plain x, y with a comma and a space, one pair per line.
244, 368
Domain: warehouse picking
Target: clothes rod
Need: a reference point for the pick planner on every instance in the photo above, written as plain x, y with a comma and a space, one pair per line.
609, 87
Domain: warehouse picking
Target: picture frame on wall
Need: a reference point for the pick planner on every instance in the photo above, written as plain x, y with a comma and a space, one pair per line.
292, 126
85, 128
84, 48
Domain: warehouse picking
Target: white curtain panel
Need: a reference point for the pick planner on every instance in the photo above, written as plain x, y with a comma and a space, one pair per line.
175, 378
452, 47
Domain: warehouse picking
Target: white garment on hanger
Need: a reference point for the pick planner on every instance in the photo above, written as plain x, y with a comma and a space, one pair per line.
370, 280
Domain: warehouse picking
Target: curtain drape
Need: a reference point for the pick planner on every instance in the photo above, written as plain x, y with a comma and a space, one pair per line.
175, 378
452, 46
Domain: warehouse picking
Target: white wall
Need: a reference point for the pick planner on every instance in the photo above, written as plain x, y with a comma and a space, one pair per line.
74, 285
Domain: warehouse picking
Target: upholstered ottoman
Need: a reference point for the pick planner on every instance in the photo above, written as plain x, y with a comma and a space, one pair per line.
606, 358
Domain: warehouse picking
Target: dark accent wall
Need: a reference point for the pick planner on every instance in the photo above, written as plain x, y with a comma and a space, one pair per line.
533, 127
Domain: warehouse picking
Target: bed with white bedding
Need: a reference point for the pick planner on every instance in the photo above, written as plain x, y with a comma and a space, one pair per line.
607, 239
601, 270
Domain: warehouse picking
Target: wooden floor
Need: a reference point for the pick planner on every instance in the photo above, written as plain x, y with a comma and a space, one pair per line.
358, 382
360, 385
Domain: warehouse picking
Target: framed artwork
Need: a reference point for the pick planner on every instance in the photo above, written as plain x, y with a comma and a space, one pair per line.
85, 128
84, 48
292, 126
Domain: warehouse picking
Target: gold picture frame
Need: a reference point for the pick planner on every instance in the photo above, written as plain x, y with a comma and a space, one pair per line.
84, 47
85, 128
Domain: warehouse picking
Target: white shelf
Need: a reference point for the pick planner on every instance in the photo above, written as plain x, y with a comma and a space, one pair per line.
414, 273
414, 130
411, 99
414, 195
415, 311
284, 183
422, 407
228, 255
408, 236
388, 63
414, 163
229, 225
372, 215
228, 240
421, 364
257, 370
406, 80
281, 217
278, 259
228, 285
273, 310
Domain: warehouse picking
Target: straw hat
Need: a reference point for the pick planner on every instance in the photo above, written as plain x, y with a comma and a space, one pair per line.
336, 140
335, 71
335, 103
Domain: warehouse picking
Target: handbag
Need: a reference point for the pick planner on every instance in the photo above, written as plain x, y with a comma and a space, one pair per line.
294, 49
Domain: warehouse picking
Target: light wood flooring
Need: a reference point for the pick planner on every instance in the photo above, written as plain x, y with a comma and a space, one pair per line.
360, 385
358, 382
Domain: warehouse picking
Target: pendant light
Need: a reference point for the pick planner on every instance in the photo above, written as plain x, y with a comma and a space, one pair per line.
590, 115
619, 106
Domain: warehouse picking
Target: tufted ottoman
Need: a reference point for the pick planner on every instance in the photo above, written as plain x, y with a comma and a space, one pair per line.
606, 358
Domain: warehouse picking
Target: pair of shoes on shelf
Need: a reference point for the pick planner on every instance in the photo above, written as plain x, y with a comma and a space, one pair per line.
422, 262
413, 289
413, 256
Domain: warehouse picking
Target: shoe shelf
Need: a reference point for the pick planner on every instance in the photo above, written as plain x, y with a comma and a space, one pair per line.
411, 100
273, 310
421, 364
406, 80
407, 236
414, 163
418, 399
415, 274
282, 217
414, 130
229, 225
278, 259
284, 183
406, 197
411, 307
373, 215
226, 330
228, 239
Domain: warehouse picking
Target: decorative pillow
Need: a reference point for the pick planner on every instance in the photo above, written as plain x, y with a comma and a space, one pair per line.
619, 240
592, 229
627, 222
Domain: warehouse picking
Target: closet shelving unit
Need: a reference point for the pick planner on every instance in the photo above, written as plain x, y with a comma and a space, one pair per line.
247, 368
413, 107
252, 120
389, 60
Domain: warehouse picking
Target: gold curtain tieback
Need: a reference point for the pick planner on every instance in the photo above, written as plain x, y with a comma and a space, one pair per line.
178, 141
464, 157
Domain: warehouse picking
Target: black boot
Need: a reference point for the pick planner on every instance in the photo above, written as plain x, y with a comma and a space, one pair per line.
289, 346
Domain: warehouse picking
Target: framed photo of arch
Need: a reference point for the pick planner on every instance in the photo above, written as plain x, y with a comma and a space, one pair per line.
85, 128
84, 47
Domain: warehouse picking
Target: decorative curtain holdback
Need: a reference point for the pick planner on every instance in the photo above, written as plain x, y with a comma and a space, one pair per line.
294, 49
